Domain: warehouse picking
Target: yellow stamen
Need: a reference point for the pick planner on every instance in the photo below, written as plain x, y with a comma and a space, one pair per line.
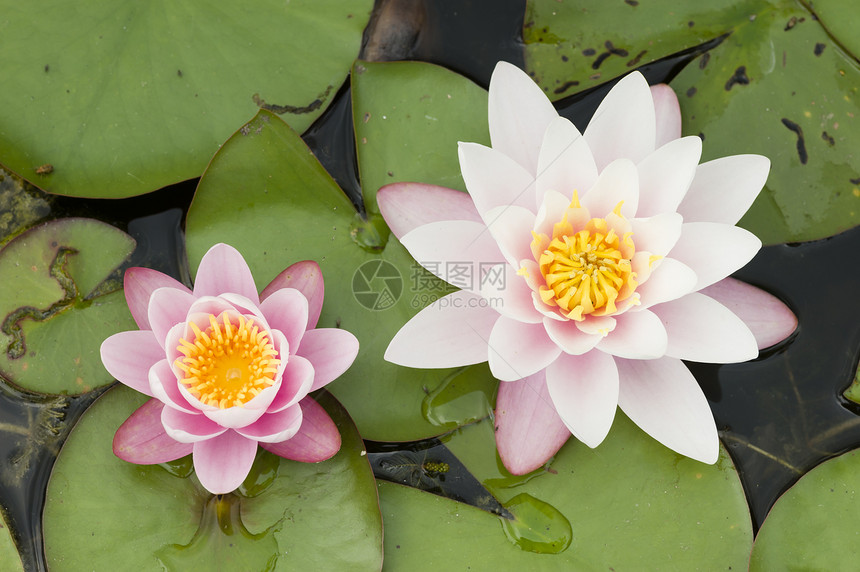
229, 363
586, 271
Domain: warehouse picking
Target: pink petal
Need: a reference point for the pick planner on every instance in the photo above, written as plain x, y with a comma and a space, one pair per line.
528, 429
307, 278
287, 310
624, 124
406, 206
165, 387
451, 332
584, 390
274, 427
666, 174
246, 307
618, 182
714, 250
702, 329
331, 351
668, 281
637, 335
296, 382
139, 284
317, 440
723, 189
662, 397
765, 315
518, 350
511, 226
565, 163
223, 462
168, 307
141, 439
189, 427
494, 179
222, 270
519, 114
128, 356
510, 296
668, 113
657, 234
569, 337
455, 251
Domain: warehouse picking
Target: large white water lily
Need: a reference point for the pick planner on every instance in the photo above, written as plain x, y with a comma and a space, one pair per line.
598, 261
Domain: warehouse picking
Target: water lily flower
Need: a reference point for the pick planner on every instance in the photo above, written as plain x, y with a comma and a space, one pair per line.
599, 261
227, 368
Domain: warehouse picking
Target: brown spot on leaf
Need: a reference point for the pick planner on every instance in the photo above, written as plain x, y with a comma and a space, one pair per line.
739, 78
827, 138
564, 87
819, 49
801, 144
691, 92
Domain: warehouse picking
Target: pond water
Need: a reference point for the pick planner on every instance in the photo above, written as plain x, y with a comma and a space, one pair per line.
779, 415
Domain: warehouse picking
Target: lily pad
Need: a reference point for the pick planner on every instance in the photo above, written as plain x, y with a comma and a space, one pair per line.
10, 560
141, 94
743, 96
100, 510
267, 195
408, 117
627, 503
813, 526
59, 299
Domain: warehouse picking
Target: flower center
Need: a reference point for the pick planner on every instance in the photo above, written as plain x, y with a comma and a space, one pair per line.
586, 271
229, 363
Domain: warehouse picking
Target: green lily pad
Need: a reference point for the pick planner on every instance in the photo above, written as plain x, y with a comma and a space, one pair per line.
408, 117
813, 526
59, 299
267, 195
630, 502
108, 99
572, 46
748, 99
852, 393
779, 85
101, 510
10, 560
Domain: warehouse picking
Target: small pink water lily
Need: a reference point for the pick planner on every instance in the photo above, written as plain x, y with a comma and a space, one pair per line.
599, 262
227, 368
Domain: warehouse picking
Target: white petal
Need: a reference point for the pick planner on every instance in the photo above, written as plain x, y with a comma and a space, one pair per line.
519, 114
668, 113
511, 227
584, 390
714, 250
765, 315
509, 294
518, 350
657, 234
452, 331
669, 281
663, 398
666, 174
624, 124
637, 335
494, 179
455, 251
569, 338
551, 210
565, 163
618, 182
602, 325
702, 329
723, 189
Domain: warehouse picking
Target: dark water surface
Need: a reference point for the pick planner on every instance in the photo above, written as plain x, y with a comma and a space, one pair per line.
779, 415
